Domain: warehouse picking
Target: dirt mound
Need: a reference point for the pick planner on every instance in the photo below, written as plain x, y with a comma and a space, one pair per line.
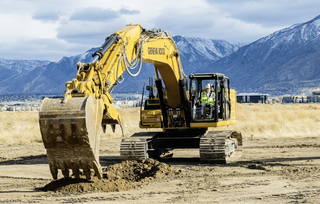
117, 177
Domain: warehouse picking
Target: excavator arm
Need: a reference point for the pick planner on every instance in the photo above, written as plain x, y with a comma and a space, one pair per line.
99, 77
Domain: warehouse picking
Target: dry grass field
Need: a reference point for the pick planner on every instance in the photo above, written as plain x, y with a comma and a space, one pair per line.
254, 120
277, 120
19, 127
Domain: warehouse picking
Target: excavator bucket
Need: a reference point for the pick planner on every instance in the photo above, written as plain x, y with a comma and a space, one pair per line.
71, 134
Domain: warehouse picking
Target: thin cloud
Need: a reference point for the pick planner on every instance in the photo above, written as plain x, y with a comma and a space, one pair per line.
88, 33
99, 14
268, 13
94, 14
209, 23
47, 16
178, 23
129, 12
92, 25
40, 49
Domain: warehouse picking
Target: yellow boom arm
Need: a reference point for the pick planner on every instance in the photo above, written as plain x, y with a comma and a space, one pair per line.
124, 50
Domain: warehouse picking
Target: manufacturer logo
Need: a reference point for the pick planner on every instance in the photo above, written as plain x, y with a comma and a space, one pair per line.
156, 51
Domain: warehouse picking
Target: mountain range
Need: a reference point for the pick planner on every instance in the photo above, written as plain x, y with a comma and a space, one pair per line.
284, 62
51, 77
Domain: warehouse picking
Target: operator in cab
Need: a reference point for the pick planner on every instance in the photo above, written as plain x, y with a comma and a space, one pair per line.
207, 99
207, 96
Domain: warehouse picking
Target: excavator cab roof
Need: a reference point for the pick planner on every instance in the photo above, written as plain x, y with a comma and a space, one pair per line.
207, 76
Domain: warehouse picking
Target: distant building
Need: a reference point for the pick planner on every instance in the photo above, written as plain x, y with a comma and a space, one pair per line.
11, 108
127, 103
295, 99
252, 98
313, 99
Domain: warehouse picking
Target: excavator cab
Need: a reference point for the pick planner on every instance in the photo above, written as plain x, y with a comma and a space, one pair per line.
213, 105
206, 108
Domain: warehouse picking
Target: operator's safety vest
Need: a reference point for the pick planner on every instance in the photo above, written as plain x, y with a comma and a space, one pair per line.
205, 100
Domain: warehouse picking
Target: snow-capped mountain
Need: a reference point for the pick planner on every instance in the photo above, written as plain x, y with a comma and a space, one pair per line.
21, 65
10, 68
47, 78
287, 61
51, 77
193, 49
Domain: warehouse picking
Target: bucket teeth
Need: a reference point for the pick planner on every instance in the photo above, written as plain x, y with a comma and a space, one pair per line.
70, 133
76, 173
86, 165
97, 169
87, 173
54, 171
65, 173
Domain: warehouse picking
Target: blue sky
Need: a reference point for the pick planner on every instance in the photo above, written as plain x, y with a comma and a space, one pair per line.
51, 29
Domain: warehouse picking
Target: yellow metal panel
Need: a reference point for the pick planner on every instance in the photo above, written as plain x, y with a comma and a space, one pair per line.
233, 97
151, 119
148, 116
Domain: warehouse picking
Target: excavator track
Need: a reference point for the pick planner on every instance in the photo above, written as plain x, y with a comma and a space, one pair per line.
70, 133
136, 146
215, 146
220, 147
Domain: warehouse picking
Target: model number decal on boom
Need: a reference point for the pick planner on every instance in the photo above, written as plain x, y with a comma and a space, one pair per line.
156, 51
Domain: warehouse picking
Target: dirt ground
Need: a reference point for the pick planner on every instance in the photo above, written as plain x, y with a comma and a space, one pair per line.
284, 170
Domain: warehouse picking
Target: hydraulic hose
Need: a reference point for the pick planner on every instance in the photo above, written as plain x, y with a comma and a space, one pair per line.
136, 61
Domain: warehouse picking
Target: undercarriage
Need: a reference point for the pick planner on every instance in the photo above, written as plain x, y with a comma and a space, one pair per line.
214, 146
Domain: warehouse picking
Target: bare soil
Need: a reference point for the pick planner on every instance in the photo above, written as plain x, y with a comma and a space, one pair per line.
277, 170
116, 177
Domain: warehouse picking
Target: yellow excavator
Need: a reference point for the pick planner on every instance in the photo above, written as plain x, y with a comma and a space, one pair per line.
71, 125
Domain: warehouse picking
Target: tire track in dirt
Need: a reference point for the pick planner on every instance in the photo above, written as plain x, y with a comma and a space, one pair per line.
283, 146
